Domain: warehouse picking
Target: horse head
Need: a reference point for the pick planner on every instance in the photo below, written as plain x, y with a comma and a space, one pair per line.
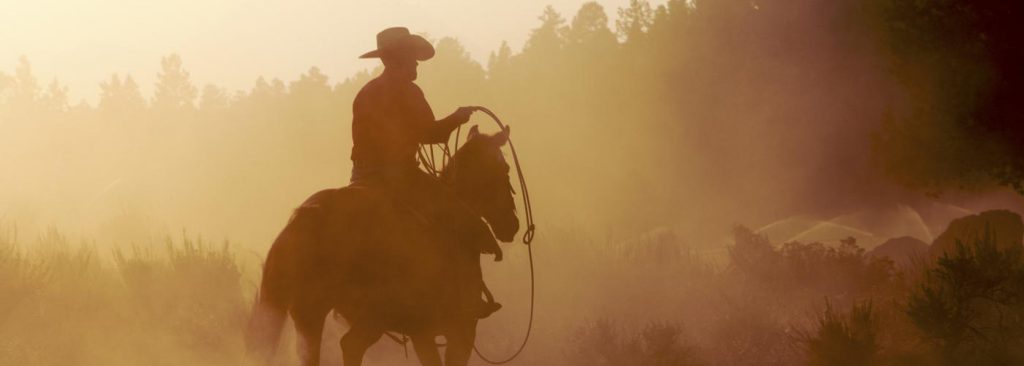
480, 176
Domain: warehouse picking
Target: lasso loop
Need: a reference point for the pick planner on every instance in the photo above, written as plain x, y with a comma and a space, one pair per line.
427, 159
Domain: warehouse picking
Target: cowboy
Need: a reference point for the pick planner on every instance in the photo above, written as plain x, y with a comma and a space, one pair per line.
390, 119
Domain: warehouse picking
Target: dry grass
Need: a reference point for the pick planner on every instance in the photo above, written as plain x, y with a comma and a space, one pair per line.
655, 300
64, 304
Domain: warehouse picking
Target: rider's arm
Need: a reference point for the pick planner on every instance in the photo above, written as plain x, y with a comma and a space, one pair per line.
438, 132
429, 130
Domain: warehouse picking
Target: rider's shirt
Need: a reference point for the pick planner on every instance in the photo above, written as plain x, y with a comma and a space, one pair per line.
389, 121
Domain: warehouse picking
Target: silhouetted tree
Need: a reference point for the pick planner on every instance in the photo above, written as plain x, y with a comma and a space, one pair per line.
120, 97
174, 89
6, 82
310, 85
589, 29
452, 65
971, 305
24, 93
55, 98
214, 98
268, 90
634, 21
960, 61
498, 62
310, 98
547, 39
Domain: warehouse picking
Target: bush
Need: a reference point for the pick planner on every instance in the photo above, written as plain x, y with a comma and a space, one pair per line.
195, 289
658, 344
970, 306
843, 339
843, 271
20, 276
62, 304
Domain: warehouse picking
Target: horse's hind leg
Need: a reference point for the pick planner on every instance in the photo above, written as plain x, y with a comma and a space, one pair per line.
461, 337
309, 323
426, 350
356, 341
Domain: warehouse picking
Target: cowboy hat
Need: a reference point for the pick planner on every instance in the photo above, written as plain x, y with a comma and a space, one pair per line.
397, 41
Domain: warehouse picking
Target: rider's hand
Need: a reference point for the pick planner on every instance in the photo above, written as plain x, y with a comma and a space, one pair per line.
462, 114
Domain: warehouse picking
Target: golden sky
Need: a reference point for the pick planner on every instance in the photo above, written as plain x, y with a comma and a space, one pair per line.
231, 42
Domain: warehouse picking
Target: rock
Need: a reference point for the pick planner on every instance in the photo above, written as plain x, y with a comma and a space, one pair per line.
903, 251
1006, 227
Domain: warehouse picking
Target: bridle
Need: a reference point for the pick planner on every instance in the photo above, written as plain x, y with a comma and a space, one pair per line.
427, 159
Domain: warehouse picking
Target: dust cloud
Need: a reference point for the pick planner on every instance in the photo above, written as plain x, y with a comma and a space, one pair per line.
652, 137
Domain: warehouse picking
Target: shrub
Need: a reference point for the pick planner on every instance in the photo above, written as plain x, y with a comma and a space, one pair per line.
970, 306
842, 271
20, 275
658, 344
194, 291
62, 304
843, 339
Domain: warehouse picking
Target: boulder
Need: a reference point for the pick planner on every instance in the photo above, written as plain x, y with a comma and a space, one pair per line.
903, 251
1005, 226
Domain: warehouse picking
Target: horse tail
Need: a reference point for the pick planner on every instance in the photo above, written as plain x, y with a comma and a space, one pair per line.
271, 305
279, 282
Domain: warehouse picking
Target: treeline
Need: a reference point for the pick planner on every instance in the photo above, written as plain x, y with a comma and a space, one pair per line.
681, 104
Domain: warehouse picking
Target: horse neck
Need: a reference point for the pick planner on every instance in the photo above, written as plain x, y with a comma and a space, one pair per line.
449, 177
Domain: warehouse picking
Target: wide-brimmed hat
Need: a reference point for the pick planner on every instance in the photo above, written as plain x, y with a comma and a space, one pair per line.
398, 41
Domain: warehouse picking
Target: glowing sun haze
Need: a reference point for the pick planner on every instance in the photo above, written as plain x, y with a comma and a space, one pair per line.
231, 42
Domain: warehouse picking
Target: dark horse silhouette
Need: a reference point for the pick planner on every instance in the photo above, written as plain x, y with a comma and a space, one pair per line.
350, 250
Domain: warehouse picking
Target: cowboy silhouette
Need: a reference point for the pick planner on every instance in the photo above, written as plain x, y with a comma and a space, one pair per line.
390, 119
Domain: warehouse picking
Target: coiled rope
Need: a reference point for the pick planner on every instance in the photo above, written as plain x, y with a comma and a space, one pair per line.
431, 165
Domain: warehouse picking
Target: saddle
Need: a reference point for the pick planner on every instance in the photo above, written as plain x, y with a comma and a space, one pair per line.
374, 203
426, 211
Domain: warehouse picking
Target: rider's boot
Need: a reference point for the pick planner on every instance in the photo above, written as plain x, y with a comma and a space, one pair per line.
478, 236
487, 306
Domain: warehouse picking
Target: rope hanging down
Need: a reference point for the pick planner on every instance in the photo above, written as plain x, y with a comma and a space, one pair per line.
430, 164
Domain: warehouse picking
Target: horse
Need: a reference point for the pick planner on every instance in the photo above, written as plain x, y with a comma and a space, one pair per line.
351, 251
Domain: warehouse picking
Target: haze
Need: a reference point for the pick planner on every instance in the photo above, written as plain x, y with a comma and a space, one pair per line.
719, 182
229, 43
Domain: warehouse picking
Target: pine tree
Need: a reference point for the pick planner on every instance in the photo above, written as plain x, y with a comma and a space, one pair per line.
498, 62
634, 21
6, 82
452, 65
120, 97
55, 99
312, 83
174, 90
26, 90
548, 39
214, 98
589, 28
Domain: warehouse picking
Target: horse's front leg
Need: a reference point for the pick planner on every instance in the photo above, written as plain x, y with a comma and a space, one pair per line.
356, 341
426, 349
461, 336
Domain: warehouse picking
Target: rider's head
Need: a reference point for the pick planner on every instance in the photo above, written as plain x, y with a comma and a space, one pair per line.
401, 52
400, 67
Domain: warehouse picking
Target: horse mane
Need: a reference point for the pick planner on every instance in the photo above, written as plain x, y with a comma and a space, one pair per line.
460, 153
471, 146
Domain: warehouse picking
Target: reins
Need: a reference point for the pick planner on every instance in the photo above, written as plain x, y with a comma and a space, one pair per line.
428, 161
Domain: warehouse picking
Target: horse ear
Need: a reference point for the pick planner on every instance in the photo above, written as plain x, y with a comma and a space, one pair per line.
501, 138
474, 132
